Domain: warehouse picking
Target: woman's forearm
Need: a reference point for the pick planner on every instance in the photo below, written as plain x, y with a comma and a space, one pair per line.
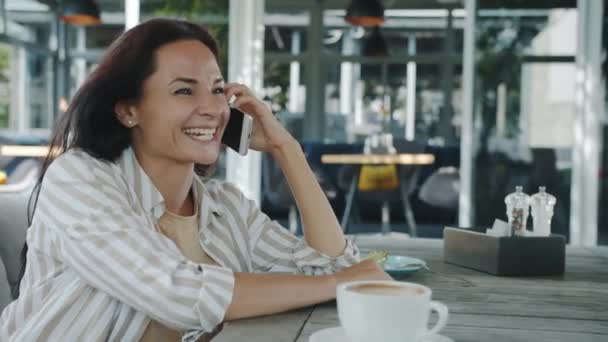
264, 294
321, 228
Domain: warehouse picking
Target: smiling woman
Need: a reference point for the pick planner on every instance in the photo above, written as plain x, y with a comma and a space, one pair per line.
127, 240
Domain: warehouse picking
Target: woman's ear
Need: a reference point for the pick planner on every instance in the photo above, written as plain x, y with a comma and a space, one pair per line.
125, 114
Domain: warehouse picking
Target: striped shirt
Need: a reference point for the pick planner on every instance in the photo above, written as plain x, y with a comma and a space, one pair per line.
98, 268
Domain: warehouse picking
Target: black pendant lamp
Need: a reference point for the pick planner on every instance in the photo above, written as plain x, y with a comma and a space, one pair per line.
365, 13
375, 44
80, 12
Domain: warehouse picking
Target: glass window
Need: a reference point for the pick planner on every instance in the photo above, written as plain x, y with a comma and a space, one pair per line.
603, 172
371, 100
528, 32
28, 21
354, 101
25, 88
26, 66
213, 14
286, 32
525, 110
284, 90
429, 33
96, 37
340, 38
343, 41
39, 90
5, 84
80, 68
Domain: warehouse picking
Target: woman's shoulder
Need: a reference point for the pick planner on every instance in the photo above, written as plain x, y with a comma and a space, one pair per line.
78, 162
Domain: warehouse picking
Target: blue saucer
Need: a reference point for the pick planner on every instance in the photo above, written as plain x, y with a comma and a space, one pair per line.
399, 265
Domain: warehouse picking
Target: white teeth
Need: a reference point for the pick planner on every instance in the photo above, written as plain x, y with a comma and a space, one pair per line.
203, 137
200, 134
199, 131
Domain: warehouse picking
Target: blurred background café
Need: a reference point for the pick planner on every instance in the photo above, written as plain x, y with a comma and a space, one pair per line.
414, 114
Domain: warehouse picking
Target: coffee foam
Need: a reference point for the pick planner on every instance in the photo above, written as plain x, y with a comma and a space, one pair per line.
386, 289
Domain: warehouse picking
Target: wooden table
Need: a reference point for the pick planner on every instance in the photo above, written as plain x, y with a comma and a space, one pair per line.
573, 307
401, 160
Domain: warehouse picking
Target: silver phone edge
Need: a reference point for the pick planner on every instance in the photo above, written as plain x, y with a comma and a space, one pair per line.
245, 135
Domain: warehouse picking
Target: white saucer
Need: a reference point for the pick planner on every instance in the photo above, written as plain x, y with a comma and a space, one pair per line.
336, 334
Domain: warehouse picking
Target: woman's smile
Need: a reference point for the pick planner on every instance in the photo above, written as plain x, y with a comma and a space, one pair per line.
202, 134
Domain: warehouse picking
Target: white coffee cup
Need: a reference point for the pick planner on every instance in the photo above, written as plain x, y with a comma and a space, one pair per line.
387, 311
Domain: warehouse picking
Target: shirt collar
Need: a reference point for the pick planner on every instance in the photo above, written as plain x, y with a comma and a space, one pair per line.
148, 195
201, 192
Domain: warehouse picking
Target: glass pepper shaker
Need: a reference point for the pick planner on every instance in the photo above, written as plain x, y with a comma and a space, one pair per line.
518, 204
542, 205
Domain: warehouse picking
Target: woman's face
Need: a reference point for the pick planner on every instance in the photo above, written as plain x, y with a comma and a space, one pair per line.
183, 111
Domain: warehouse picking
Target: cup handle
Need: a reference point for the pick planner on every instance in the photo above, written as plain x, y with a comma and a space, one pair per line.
442, 311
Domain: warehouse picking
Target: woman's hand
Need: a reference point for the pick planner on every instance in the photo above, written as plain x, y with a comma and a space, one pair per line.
365, 270
268, 134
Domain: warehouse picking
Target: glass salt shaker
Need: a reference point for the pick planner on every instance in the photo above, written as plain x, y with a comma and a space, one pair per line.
542, 205
518, 204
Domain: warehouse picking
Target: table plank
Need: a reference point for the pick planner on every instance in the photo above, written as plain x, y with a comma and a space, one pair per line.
473, 334
601, 251
528, 323
282, 327
548, 305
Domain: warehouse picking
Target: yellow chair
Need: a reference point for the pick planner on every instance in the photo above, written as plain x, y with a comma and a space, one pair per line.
378, 177
381, 183
3, 177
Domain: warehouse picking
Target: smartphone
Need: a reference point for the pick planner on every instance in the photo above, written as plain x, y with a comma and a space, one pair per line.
238, 131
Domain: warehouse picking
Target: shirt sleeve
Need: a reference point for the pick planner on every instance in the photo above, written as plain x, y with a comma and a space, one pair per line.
276, 249
110, 243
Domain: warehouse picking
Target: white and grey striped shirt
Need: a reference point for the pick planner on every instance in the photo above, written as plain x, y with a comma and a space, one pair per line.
98, 269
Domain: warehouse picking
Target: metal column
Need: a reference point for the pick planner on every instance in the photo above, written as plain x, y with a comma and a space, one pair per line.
314, 118
589, 101
465, 200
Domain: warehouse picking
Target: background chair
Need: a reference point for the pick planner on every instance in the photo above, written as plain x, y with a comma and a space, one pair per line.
441, 189
14, 198
5, 288
277, 192
407, 175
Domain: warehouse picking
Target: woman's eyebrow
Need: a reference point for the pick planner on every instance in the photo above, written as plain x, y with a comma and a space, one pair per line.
218, 80
185, 80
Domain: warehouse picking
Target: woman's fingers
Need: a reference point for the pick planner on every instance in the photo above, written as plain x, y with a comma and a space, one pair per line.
243, 99
235, 89
246, 104
268, 132
253, 106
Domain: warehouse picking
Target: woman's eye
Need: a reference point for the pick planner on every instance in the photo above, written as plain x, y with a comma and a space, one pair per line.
218, 90
183, 91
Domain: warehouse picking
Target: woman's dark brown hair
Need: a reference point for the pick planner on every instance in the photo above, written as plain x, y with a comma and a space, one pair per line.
90, 122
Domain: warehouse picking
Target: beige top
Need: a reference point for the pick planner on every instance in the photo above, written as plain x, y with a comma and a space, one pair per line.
183, 230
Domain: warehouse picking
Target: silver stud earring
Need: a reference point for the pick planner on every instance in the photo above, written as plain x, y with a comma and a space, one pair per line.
130, 123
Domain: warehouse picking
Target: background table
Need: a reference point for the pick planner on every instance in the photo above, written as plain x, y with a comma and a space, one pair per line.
572, 307
400, 160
